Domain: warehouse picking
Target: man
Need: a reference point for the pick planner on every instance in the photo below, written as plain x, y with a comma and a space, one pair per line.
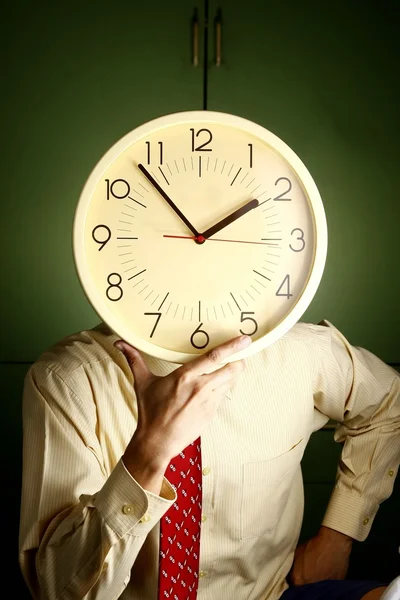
102, 428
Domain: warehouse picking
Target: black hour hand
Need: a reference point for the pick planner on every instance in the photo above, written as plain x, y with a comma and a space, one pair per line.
230, 218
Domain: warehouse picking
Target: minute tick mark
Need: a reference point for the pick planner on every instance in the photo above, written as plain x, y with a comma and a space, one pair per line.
247, 292
155, 299
145, 189
255, 289
138, 193
138, 283
250, 182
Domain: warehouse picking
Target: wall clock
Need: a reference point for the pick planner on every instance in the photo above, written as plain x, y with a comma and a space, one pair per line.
195, 227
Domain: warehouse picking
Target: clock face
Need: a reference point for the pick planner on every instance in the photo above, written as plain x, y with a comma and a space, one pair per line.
197, 227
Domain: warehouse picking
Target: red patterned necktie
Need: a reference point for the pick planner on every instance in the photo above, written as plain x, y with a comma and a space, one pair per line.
180, 528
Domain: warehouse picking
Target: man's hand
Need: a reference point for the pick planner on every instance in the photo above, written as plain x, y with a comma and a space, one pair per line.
175, 409
324, 556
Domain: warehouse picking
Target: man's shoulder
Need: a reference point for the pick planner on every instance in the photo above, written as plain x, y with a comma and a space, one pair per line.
94, 346
302, 343
84, 347
304, 332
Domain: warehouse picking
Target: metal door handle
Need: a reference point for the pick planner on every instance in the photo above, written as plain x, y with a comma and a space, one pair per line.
218, 38
195, 38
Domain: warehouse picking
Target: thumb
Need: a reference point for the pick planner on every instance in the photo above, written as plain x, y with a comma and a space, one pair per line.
135, 361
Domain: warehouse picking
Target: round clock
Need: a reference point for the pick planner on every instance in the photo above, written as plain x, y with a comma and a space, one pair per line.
196, 227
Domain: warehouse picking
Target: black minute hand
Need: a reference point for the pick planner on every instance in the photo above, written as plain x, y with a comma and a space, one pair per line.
230, 218
168, 199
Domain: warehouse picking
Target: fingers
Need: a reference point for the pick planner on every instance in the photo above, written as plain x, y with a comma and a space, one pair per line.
135, 361
216, 358
224, 376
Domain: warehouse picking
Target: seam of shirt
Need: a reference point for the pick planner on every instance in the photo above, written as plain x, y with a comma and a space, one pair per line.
58, 376
81, 404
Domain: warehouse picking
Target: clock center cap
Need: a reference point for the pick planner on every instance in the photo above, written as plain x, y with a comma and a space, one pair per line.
200, 239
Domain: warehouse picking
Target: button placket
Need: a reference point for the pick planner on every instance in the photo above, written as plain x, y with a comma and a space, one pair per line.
202, 573
208, 482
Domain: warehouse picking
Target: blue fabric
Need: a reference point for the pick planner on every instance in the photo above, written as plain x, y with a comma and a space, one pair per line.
331, 589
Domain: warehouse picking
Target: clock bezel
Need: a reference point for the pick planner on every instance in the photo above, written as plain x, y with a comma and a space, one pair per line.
193, 118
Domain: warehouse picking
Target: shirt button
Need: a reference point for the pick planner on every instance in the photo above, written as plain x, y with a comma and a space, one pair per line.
145, 518
391, 472
202, 573
366, 521
128, 509
206, 470
203, 518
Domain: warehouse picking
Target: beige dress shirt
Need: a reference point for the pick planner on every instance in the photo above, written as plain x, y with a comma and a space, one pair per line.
89, 531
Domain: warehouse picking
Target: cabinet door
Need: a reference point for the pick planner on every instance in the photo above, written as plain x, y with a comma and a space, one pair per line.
322, 77
79, 75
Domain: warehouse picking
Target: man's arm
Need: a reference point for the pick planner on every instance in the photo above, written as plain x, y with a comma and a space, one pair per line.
362, 394
355, 388
74, 516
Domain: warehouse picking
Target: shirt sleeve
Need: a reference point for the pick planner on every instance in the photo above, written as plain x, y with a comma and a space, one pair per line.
362, 393
81, 528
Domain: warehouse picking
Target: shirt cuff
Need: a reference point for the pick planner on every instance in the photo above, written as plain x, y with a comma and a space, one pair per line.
350, 514
124, 504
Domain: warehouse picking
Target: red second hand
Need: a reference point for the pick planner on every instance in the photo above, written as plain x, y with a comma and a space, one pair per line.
188, 237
